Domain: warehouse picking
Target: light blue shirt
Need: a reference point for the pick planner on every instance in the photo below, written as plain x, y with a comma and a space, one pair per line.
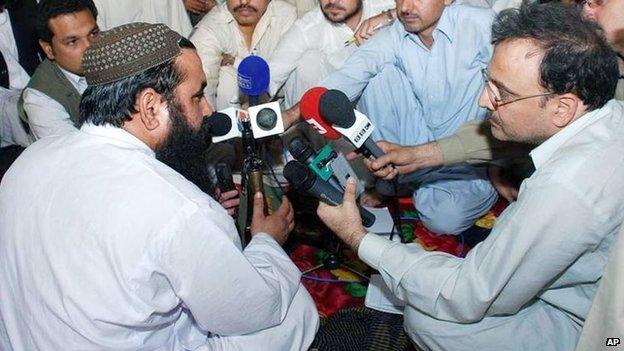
446, 79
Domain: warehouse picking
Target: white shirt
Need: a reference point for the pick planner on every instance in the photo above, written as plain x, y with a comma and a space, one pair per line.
314, 32
549, 246
18, 77
47, 116
606, 317
218, 33
11, 130
113, 13
104, 247
496, 5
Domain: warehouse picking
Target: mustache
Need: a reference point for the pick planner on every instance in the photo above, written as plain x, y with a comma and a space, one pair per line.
405, 14
245, 7
333, 6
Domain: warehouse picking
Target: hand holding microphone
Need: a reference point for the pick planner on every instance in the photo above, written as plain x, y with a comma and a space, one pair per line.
305, 180
343, 219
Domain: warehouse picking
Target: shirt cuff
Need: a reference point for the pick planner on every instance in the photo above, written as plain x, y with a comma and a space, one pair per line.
372, 248
452, 150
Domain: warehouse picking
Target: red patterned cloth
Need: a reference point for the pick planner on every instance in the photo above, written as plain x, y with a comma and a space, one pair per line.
331, 297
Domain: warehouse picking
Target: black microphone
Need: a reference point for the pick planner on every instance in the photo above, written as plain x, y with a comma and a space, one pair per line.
224, 177
304, 180
303, 152
219, 124
335, 108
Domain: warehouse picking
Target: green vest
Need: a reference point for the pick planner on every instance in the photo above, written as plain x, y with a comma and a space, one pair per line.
50, 80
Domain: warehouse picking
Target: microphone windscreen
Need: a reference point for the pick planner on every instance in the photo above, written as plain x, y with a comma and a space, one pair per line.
266, 119
309, 109
220, 124
300, 150
253, 75
299, 175
335, 108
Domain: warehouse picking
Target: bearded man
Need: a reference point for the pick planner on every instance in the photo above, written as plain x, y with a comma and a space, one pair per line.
105, 246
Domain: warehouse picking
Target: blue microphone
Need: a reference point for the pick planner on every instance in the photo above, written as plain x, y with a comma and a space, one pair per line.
253, 77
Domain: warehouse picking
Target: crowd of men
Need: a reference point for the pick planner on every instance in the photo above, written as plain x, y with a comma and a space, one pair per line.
109, 240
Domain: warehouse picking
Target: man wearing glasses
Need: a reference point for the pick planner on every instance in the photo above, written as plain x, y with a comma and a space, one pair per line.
530, 284
473, 142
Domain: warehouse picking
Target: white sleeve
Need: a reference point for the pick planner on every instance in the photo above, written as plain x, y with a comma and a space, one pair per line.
209, 50
229, 291
177, 18
45, 115
292, 46
11, 130
534, 240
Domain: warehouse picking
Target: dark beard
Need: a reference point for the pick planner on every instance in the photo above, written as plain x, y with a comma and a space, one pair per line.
184, 148
348, 16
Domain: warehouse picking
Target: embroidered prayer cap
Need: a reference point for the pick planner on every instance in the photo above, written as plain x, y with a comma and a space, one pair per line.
127, 50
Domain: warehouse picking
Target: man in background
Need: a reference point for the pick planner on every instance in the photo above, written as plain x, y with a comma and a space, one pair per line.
50, 102
232, 31
321, 42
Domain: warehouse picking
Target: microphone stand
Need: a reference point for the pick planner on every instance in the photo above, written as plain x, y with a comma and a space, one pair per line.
251, 180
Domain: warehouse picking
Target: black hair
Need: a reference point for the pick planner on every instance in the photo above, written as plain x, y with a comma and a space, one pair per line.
577, 58
114, 103
49, 9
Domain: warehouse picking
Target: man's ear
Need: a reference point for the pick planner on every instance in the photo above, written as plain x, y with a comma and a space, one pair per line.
149, 105
566, 108
47, 48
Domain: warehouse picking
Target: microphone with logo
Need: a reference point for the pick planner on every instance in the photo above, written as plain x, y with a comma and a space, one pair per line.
253, 78
253, 81
309, 110
320, 164
335, 108
304, 180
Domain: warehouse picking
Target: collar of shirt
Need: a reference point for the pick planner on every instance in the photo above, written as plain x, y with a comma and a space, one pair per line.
444, 26
265, 21
117, 136
542, 153
369, 9
80, 83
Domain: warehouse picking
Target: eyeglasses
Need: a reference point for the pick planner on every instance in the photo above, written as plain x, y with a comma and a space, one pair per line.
592, 4
494, 94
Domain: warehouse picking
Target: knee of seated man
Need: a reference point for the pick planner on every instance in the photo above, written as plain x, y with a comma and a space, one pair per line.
441, 212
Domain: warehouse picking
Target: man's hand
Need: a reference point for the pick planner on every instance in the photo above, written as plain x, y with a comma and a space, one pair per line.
369, 27
502, 184
199, 6
277, 225
227, 60
229, 200
291, 116
403, 159
344, 220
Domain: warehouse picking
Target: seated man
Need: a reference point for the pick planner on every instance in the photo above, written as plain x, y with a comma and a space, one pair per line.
66, 28
232, 31
418, 81
320, 43
109, 248
530, 284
